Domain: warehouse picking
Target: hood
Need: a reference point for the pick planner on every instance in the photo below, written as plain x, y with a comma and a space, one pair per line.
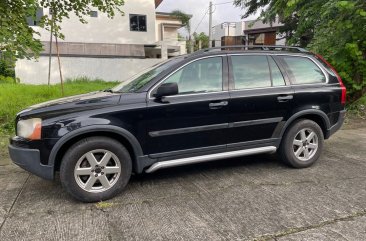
71, 104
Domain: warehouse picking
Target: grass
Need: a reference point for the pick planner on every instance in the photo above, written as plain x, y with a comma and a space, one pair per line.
358, 108
16, 97
104, 205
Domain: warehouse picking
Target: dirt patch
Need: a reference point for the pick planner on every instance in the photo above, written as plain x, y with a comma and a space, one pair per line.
354, 122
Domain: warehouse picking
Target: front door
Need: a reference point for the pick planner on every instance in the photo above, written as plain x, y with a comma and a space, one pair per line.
260, 100
195, 120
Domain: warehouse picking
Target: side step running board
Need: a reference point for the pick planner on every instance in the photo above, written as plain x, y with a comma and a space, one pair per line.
211, 157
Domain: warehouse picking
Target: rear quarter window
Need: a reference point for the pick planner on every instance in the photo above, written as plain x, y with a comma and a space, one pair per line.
303, 70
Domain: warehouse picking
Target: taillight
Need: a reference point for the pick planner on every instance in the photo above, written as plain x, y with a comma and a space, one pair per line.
343, 88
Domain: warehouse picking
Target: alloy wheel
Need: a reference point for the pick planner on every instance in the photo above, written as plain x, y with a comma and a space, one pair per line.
97, 171
305, 144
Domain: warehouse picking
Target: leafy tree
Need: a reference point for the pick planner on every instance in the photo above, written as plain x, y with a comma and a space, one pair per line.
21, 40
184, 18
186, 21
342, 40
200, 37
335, 29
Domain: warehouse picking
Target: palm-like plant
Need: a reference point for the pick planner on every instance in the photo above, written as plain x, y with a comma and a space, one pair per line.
186, 21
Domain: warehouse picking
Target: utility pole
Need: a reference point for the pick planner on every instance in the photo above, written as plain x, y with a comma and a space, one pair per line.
210, 25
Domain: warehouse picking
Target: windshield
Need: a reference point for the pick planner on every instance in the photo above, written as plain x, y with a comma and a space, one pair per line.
138, 81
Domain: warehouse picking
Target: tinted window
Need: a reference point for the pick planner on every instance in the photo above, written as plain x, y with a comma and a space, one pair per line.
250, 71
137, 82
34, 21
277, 77
303, 70
138, 23
94, 14
198, 77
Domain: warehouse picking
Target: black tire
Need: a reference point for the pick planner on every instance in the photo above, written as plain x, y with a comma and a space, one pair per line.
77, 151
287, 149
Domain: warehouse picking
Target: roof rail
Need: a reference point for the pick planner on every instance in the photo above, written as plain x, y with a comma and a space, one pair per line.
249, 47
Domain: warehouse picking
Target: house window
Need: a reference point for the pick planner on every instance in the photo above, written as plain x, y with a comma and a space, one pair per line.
34, 20
138, 23
94, 14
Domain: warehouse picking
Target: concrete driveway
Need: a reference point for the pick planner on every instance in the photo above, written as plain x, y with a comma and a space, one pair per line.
255, 198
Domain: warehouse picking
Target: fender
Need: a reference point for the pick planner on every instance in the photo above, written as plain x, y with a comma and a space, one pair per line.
306, 112
90, 129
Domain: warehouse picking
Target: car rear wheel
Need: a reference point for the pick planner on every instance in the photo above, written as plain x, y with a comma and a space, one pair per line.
95, 169
302, 144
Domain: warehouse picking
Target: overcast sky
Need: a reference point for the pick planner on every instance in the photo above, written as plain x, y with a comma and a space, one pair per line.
222, 13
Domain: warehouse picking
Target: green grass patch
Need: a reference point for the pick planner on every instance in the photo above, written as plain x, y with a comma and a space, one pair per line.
104, 205
16, 97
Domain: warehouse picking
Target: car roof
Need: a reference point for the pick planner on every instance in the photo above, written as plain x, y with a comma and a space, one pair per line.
252, 49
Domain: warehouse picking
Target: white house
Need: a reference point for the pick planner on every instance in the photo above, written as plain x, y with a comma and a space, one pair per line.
253, 32
109, 49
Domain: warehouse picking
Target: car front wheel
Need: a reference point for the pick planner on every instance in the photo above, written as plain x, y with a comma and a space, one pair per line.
95, 169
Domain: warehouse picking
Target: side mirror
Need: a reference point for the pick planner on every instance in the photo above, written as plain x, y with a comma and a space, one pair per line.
166, 89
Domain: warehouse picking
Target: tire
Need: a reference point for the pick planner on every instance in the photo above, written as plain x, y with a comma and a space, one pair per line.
95, 169
302, 152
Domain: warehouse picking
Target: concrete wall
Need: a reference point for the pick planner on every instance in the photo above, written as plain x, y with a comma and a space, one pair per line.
109, 69
105, 30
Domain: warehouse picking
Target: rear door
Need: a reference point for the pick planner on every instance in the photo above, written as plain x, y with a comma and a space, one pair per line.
315, 87
260, 103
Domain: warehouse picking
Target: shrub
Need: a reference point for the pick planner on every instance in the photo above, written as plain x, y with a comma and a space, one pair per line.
8, 80
6, 69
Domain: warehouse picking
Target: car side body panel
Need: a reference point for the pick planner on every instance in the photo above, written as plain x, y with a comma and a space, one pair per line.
181, 127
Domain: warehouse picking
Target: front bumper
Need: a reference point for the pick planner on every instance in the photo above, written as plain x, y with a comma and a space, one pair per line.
29, 160
338, 125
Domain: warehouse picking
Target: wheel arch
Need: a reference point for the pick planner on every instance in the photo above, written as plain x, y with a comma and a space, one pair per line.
317, 116
121, 135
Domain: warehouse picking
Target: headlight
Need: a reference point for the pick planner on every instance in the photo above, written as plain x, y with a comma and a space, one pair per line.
30, 129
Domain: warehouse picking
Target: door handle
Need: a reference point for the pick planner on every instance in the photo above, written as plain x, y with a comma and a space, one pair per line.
217, 105
284, 98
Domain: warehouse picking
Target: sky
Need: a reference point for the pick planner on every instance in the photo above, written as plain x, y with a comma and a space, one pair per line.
222, 12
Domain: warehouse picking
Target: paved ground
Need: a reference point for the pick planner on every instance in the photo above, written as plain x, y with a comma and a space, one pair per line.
254, 198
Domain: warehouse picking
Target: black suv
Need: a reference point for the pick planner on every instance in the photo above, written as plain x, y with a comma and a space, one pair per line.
214, 104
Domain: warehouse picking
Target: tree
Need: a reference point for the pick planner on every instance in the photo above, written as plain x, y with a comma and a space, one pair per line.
186, 21
18, 38
335, 29
200, 37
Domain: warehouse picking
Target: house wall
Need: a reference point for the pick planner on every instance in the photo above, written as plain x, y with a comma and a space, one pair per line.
257, 24
105, 30
170, 34
167, 20
219, 31
238, 30
108, 69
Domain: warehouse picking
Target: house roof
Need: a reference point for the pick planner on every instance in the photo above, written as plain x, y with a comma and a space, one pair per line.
262, 30
169, 14
157, 3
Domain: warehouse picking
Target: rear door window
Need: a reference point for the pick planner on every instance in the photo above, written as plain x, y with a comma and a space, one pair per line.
250, 71
302, 70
